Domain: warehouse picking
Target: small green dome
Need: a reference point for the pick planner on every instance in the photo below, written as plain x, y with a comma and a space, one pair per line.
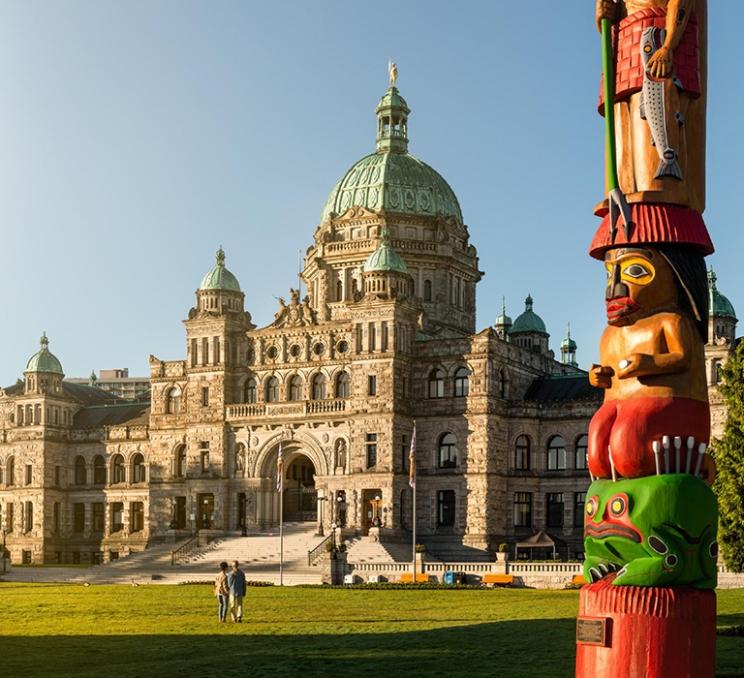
529, 321
43, 360
219, 278
568, 344
385, 258
503, 320
718, 305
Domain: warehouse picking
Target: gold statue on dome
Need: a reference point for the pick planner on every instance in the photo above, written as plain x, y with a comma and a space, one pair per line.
392, 72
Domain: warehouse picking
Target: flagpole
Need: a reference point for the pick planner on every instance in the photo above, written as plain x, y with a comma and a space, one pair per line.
281, 534
412, 483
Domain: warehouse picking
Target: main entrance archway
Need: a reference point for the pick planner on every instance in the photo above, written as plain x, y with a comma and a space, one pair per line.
300, 495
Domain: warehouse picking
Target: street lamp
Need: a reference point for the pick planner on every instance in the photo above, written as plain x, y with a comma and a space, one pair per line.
5, 533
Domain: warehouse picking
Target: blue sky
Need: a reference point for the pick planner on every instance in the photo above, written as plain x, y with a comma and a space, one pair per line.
136, 137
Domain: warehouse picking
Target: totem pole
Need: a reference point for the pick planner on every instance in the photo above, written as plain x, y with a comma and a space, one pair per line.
648, 609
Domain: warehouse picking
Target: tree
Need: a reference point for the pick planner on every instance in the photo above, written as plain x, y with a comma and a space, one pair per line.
729, 456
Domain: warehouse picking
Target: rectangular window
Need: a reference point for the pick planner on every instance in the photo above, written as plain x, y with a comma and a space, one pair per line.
555, 509
28, 523
136, 516
372, 384
358, 338
55, 517
216, 351
57, 476
384, 337
194, 352
117, 516
204, 456
9, 508
179, 513
29, 474
26, 557
579, 501
371, 337
205, 396
98, 517
522, 509
445, 508
205, 351
78, 517
404, 452
371, 442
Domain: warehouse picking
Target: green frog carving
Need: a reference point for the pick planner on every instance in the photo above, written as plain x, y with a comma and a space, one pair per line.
652, 531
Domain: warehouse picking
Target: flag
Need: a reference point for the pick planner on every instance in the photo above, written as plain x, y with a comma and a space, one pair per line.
412, 459
279, 469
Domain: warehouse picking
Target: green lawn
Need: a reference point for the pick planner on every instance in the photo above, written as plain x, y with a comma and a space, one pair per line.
118, 631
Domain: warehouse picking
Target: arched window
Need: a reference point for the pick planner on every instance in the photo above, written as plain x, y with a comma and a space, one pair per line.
138, 468
28, 523
436, 383
80, 471
339, 290
249, 391
447, 457
294, 388
319, 386
343, 385
180, 467
10, 471
503, 383
462, 383
173, 400
582, 445
556, 454
427, 290
118, 471
717, 372
99, 470
272, 390
522, 453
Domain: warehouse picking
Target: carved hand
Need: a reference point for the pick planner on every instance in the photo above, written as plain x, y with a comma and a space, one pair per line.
660, 64
606, 9
600, 376
634, 364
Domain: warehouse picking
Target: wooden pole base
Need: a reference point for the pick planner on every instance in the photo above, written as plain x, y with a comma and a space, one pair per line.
645, 632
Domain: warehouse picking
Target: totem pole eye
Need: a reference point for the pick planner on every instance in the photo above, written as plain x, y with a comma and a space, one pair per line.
657, 545
636, 271
713, 550
618, 505
671, 560
591, 507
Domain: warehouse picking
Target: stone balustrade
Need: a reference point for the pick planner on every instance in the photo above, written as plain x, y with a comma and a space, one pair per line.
285, 409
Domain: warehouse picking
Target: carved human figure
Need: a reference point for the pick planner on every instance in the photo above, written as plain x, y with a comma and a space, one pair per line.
240, 461
340, 453
652, 362
660, 92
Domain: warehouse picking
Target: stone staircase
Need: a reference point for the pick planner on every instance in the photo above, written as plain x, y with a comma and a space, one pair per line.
365, 550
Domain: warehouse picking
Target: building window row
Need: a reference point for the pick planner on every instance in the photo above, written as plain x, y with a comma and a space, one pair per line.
554, 509
556, 453
461, 386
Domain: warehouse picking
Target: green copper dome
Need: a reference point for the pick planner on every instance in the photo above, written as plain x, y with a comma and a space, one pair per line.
718, 305
529, 321
392, 179
385, 258
568, 344
219, 278
44, 360
503, 320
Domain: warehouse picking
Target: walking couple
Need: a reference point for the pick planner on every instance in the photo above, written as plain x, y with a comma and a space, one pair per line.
229, 587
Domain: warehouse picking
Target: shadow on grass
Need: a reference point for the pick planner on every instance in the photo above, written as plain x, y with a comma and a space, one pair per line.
514, 648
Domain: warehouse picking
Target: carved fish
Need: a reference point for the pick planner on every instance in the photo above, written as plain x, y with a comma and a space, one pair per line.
653, 107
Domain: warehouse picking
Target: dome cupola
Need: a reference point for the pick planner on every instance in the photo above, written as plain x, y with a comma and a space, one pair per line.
219, 278
568, 349
529, 330
721, 314
43, 373
503, 322
385, 273
219, 291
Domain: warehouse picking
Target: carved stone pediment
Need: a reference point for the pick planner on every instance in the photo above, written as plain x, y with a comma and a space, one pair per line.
295, 314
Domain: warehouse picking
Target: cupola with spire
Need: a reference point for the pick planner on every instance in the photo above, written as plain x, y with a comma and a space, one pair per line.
568, 349
503, 322
528, 330
43, 373
385, 273
219, 291
721, 314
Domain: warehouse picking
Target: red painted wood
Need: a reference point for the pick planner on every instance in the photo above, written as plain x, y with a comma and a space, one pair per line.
655, 632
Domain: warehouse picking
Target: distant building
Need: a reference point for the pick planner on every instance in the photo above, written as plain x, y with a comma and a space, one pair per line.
118, 382
385, 337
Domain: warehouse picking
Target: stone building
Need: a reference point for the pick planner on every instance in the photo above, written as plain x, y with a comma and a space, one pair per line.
384, 340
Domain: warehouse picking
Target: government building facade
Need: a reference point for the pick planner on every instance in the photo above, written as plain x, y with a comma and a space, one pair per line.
383, 341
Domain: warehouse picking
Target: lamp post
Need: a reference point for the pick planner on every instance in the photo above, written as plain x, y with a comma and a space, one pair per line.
5, 533
321, 499
376, 511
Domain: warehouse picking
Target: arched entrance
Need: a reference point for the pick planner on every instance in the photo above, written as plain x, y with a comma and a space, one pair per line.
300, 495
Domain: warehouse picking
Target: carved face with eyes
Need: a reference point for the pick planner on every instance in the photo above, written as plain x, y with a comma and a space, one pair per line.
640, 283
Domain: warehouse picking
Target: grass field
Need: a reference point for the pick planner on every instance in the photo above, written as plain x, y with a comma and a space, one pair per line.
122, 631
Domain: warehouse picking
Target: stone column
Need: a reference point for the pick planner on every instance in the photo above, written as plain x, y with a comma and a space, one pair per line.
321, 499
